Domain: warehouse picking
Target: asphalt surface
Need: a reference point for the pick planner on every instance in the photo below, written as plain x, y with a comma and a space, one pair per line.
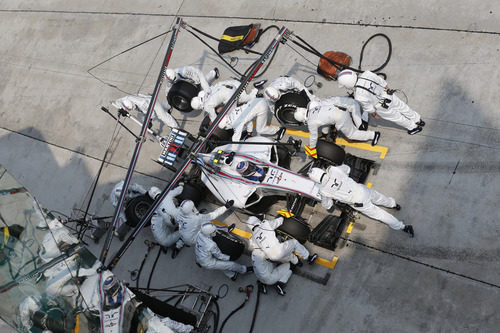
61, 61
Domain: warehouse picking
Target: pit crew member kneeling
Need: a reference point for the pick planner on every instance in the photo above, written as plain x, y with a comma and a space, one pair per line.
264, 238
190, 220
163, 225
269, 273
209, 256
337, 185
323, 115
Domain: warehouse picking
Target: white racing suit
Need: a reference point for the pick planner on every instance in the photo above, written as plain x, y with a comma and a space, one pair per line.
264, 238
134, 190
371, 91
162, 222
337, 185
209, 256
220, 93
166, 325
190, 224
60, 274
141, 102
325, 115
267, 272
285, 84
347, 104
193, 74
241, 117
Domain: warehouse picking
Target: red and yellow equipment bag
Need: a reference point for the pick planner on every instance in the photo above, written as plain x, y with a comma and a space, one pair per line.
330, 71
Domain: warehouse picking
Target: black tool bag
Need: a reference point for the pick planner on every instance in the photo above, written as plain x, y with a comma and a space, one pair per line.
236, 37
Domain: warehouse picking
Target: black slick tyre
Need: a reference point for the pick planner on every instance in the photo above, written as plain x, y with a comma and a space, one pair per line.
136, 208
229, 244
294, 228
180, 95
285, 107
330, 152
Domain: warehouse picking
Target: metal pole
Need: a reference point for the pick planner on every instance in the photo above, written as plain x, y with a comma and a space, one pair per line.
199, 145
140, 141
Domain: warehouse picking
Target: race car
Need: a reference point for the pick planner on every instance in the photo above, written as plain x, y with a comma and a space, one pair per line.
249, 171
246, 173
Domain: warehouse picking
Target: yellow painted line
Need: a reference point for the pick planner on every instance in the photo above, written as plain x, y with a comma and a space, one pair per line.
236, 231
366, 146
360, 145
297, 133
349, 228
245, 234
327, 263
77, 324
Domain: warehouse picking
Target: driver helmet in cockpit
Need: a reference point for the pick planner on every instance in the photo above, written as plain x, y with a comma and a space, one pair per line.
250, 171
112, 291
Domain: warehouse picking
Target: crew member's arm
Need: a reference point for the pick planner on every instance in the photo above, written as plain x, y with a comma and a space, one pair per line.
276, 223
213, 215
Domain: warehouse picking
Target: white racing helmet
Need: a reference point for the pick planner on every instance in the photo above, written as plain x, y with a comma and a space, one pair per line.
187, 207
316, 174
300, 115
347, 79
170, 75
123, 103
111, 286
272, 94
154, 192
208, 229
197, 103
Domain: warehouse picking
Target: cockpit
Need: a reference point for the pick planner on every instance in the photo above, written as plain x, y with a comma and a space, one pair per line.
247, 169
250, 171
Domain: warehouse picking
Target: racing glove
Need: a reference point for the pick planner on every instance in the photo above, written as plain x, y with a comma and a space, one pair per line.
311, 151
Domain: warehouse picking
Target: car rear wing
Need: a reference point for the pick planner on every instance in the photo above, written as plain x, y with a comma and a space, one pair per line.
172, 146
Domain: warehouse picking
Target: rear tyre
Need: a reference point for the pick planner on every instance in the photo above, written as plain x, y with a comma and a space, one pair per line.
285, 107
136, 208
180, 95
295, 228
330, 152
229, 244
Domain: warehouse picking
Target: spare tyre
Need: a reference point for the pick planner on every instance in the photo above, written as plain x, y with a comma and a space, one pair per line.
330, 152
180, 95
229, 244
136, 208
285, 107
295, 228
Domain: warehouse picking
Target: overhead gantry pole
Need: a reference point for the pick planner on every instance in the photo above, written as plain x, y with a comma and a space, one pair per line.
140, 140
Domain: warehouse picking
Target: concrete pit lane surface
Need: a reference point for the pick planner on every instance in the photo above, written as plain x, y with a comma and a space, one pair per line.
61, 61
